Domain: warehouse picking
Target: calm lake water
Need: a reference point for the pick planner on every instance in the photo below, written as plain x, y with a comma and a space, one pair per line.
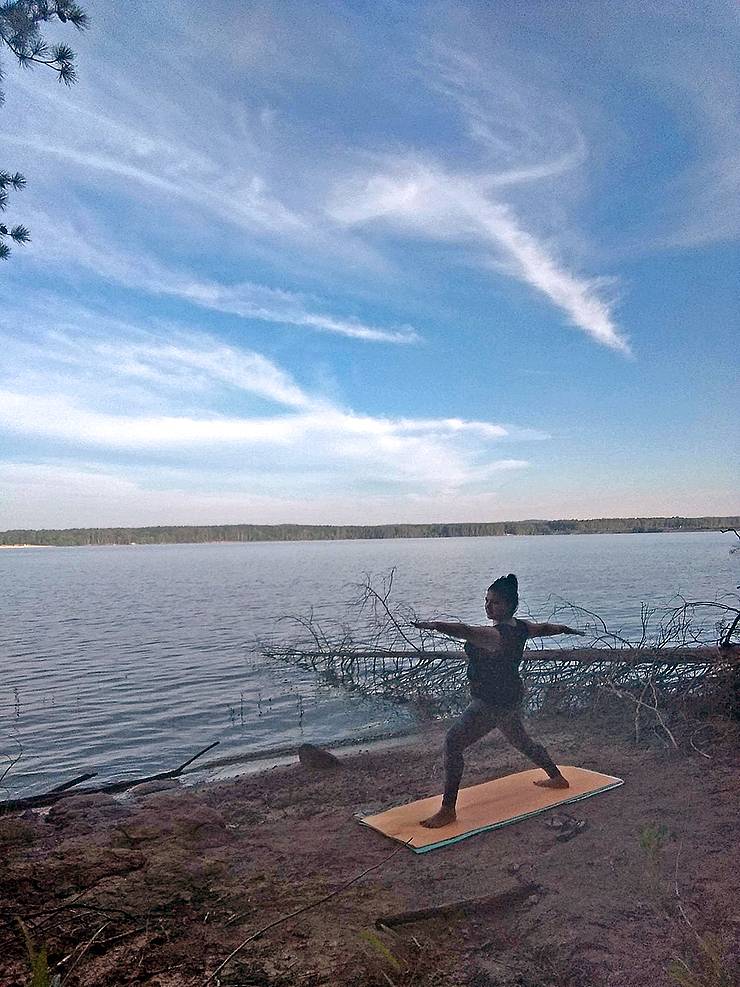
129, 659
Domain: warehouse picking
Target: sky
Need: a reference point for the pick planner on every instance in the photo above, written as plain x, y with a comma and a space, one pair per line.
369, 262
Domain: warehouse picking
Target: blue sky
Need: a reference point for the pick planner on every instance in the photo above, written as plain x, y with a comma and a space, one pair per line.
370, 262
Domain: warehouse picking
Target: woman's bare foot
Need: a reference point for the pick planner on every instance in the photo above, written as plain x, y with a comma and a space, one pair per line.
444, 817
558, 782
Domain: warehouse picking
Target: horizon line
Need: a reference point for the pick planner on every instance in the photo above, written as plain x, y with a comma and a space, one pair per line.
732, 521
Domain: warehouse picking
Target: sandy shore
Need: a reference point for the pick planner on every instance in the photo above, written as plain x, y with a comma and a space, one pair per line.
27, 546
160, 887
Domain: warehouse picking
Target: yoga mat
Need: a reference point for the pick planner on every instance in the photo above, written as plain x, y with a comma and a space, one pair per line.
488, 806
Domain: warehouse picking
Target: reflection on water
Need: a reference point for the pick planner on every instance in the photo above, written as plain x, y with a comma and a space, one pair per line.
128, 659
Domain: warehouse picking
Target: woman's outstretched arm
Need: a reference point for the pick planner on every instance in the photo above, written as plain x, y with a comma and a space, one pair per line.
484, 637
549, 630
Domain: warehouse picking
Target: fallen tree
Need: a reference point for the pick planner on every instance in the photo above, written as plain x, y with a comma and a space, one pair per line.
678, 659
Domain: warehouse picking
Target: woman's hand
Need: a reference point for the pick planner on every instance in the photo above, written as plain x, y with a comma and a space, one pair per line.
564, 629
424, 625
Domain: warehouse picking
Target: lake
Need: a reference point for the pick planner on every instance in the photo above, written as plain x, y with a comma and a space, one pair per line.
130, 659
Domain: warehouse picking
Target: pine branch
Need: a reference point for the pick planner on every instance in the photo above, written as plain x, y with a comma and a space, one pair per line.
17, 180
20, 32
20, 234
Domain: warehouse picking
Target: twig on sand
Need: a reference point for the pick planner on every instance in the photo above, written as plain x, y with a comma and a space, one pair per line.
501, 900
681, 909
72, 903
658, 716
299, 911
62, 791
84, 949
641, 704
691, 742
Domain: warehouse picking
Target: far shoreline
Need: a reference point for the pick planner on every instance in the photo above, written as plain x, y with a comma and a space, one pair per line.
308, 541
227, 534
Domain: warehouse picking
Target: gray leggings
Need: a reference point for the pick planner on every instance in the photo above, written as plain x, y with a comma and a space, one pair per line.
478, 720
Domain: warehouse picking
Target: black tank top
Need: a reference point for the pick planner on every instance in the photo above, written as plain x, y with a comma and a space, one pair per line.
494, 675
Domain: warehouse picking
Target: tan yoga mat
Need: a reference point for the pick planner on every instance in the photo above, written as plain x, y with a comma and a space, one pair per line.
488, 806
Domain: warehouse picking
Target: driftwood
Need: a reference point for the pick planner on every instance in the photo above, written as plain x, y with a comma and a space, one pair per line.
71, 784
569, 679
504, 899
702, 655
64, 791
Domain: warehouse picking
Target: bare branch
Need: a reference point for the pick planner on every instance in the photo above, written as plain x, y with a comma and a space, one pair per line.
63, 791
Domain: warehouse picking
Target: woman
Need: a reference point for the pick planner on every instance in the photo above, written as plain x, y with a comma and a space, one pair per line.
496, 689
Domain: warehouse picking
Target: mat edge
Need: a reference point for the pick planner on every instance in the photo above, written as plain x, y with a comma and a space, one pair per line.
615, 783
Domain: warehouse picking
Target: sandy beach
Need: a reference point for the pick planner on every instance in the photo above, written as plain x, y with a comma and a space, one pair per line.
159, 887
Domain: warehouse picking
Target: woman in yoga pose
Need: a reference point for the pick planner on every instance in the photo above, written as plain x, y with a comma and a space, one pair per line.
496, 688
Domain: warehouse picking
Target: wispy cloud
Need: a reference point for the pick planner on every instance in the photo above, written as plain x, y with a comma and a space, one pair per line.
701, 205
117, 135
525, 137
196, 159
82, 244
422, 198
409, 452
309, 433
533, 133
201, 360
578, 297
525, 131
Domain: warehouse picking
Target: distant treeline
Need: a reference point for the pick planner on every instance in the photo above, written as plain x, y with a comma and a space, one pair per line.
182, 534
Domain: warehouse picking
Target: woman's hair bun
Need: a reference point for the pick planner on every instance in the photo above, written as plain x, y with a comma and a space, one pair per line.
508, 588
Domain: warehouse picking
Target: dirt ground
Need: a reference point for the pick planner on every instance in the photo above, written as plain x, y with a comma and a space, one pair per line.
160, 887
